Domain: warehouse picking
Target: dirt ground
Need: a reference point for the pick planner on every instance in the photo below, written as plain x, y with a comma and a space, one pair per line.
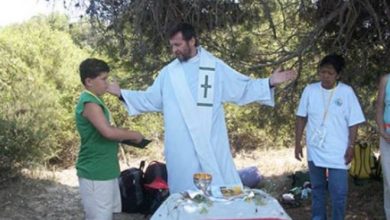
54, 194
365, 202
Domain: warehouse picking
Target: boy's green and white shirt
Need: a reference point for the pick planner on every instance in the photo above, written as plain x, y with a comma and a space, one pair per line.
98, 156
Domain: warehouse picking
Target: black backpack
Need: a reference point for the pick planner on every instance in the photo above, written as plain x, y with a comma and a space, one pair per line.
155, 186
155, 169
131, 183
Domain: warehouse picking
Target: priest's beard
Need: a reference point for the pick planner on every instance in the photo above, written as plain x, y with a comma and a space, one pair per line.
185, 54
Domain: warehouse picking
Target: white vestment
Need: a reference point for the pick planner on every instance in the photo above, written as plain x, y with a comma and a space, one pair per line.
183, 159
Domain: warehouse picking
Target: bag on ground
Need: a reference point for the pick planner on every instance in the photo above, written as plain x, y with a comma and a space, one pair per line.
364, 163
132, 190
155, 186
250, 176
300, 178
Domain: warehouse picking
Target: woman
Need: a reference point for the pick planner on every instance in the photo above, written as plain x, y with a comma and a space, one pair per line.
383, 122
332, 113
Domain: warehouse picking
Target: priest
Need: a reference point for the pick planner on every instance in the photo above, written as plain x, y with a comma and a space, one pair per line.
190, 92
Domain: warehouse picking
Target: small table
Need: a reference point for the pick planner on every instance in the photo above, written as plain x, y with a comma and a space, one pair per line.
253, 205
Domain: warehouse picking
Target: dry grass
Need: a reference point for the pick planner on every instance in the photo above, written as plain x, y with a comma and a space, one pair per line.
274, 165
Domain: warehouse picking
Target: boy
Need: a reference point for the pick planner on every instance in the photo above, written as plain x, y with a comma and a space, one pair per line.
97, 164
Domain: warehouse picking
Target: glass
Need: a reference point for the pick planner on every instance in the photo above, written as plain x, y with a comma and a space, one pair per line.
202, 181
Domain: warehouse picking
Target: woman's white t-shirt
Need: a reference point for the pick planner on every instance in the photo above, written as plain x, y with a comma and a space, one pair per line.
343, 112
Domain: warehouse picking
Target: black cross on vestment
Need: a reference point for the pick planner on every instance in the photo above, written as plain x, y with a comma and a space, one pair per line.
205, 86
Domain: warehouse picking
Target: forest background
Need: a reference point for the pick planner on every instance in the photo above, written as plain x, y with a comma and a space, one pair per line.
39, 81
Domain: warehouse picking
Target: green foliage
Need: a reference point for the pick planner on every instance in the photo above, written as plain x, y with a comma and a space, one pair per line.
39, 83
38, 90
254, 51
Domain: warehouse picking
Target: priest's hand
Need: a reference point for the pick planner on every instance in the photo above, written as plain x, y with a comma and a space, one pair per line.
114, 89
280, 76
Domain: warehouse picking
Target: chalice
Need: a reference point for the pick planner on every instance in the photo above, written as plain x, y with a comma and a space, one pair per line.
202, 181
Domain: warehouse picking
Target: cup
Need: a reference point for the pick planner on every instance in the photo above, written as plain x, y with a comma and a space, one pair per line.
202, 181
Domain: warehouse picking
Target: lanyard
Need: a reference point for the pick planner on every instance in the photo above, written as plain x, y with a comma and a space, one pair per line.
110, 119
327, 104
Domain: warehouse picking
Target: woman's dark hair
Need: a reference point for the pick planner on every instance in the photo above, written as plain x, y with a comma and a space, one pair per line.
337, 61
92, 68
187, 30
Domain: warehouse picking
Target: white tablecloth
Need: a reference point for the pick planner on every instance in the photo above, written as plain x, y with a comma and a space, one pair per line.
260, 206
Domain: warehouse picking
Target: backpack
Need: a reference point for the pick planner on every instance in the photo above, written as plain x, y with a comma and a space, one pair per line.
155, 187
131, 188
299, 178
377, 174
364, 163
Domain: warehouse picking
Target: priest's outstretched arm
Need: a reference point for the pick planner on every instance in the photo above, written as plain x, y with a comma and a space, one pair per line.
138, 102
241, 89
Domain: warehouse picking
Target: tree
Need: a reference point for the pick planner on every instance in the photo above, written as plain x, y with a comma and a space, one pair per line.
254, 37
39, 85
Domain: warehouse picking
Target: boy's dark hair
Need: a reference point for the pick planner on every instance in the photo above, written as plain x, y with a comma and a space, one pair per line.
92, 68
337, 61
187, 30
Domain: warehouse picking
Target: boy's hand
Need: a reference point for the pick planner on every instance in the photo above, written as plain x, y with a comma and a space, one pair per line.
138, 137
138, 140
114, 89
142, 144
